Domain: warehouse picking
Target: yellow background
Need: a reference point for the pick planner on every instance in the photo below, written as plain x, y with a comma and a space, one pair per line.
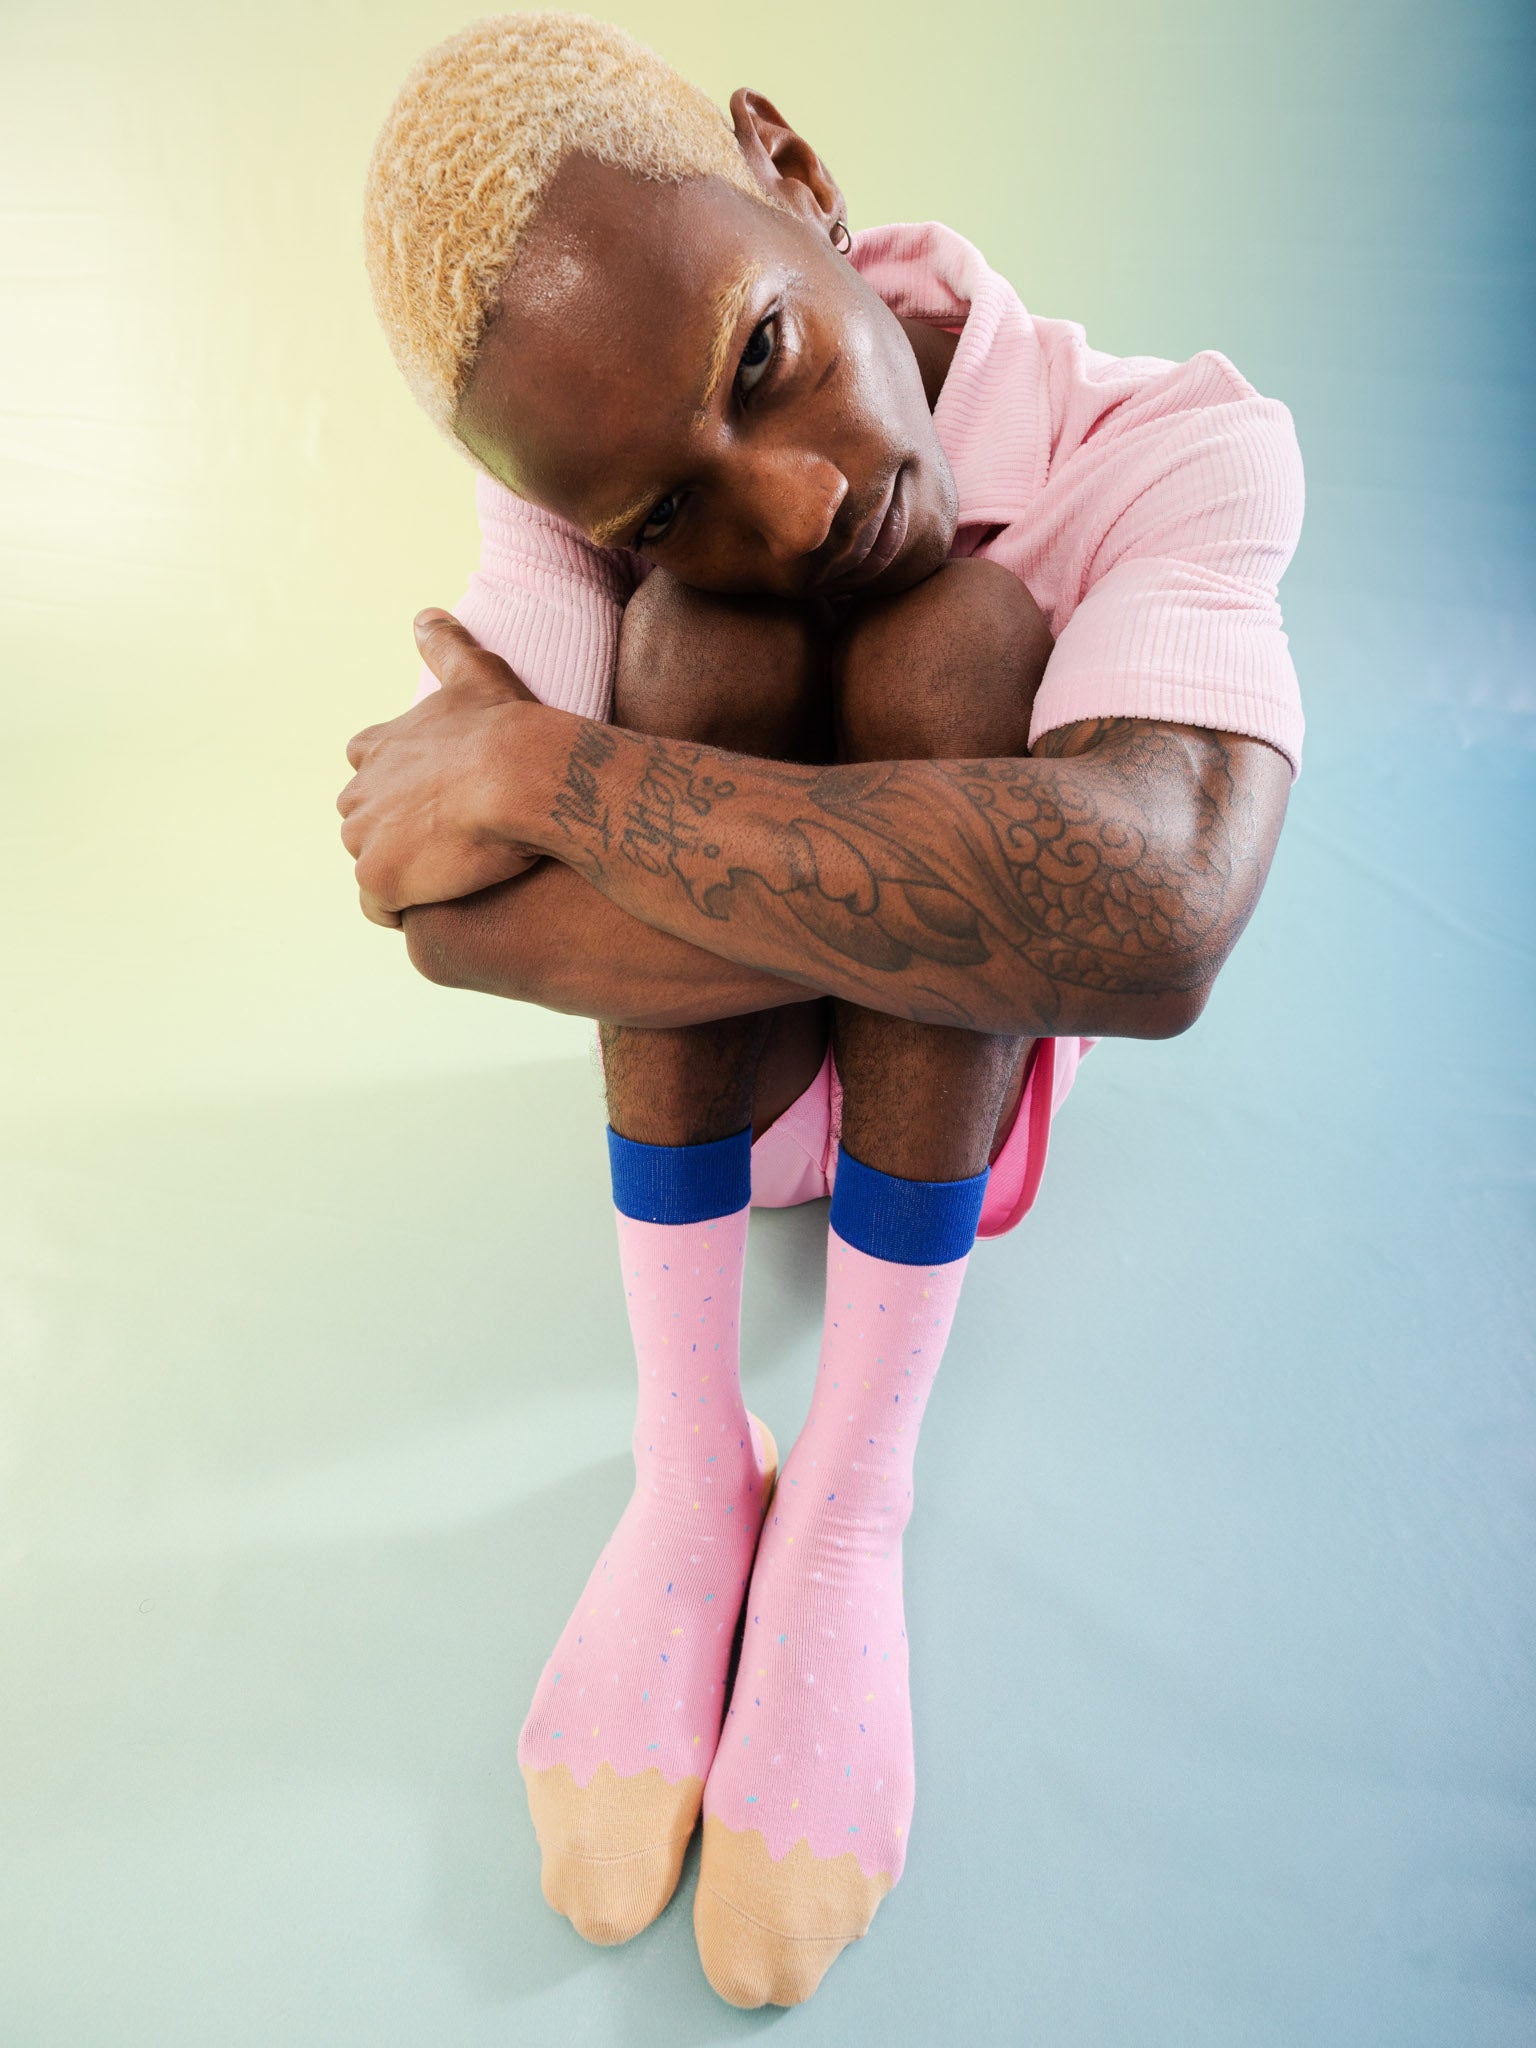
219, 510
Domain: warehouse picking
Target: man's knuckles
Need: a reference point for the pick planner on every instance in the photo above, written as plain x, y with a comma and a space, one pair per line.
376, 884
376, 912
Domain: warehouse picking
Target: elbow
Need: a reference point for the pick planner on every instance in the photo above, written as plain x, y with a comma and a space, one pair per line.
1172, 1012
1162, 1006
472, 944
437, 937
1173, 1005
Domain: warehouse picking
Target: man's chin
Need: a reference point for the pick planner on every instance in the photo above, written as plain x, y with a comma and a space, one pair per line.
925, 553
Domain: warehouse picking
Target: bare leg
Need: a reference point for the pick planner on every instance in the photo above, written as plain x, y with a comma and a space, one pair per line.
752, 675
947, 671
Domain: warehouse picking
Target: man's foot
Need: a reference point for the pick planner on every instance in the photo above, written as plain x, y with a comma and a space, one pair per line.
769, 1932
810, 1797
623, 1727
809, 1803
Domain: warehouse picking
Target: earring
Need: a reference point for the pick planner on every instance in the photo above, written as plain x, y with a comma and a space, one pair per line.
841, 228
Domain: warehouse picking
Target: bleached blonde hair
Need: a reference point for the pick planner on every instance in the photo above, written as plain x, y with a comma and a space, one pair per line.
468, 151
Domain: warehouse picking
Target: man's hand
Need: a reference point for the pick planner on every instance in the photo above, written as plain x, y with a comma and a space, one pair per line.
423, 812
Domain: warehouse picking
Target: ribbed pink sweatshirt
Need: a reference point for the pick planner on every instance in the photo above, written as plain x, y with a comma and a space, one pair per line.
1150, 507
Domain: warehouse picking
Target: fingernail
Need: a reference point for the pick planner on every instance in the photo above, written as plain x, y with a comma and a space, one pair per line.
430, 616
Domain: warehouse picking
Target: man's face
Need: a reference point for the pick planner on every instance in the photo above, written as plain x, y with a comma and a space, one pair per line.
689, 371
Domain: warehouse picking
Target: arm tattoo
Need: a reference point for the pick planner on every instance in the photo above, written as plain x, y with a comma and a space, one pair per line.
665, 819
579, 809
1118, 862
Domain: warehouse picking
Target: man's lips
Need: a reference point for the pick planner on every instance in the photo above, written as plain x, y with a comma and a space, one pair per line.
877, 544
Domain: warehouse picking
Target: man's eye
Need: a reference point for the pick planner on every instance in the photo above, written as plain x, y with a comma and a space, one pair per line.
659, 519
757, 354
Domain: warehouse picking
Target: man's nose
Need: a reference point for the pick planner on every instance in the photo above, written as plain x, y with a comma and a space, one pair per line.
798, 496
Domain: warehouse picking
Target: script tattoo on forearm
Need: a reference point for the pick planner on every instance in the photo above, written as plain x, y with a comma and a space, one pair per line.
579, 809
664, 820
1119, 860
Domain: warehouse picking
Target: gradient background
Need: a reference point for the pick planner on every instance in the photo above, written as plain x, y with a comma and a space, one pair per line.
312, 1360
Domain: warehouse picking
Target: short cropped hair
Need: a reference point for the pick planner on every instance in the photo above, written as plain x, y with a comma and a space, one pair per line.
468, 152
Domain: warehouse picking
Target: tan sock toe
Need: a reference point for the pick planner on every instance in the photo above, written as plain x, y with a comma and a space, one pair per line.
769, 1932
613, 1849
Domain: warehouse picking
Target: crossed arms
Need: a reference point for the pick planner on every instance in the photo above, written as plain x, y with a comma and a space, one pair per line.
1094, 886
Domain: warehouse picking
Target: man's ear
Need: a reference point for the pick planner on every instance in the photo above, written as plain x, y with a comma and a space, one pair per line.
784, 163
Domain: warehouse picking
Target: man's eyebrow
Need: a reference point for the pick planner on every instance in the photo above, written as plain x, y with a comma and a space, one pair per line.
727, 313
610, 532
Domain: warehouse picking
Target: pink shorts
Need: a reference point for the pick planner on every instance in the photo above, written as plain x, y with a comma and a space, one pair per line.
795, 1160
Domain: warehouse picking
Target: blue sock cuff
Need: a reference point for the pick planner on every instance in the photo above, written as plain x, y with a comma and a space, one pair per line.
909, 1222
680, 1183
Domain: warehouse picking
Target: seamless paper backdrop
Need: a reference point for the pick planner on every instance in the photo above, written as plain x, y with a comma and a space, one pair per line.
314, 1382
219, 510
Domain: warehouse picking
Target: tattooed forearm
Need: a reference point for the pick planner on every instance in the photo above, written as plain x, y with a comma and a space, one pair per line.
1095, 886
579, 813
665, 819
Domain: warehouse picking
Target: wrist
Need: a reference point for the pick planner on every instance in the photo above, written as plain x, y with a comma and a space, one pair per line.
573, 782
532, 744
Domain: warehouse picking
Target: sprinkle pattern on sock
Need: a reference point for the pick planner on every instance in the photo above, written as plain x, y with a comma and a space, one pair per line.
637, 1678
817, 1745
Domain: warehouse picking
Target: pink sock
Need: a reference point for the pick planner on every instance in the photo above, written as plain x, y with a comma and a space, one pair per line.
818, 1740
808, 1807
625, 1720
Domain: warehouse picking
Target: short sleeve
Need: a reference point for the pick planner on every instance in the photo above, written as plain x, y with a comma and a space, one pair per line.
547, 601
1180, 618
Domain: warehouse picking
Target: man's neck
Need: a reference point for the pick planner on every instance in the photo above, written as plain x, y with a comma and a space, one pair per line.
935, 351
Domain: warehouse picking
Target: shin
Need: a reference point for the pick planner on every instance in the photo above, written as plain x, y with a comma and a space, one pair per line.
946, 671
750, 674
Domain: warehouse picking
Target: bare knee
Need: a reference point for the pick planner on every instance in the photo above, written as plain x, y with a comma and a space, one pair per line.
946, 671
742, 672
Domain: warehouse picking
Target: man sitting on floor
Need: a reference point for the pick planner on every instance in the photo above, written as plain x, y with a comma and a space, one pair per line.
870, 695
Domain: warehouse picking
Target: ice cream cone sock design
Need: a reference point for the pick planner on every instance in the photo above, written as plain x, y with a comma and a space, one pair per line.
809, 1804
624, 1723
